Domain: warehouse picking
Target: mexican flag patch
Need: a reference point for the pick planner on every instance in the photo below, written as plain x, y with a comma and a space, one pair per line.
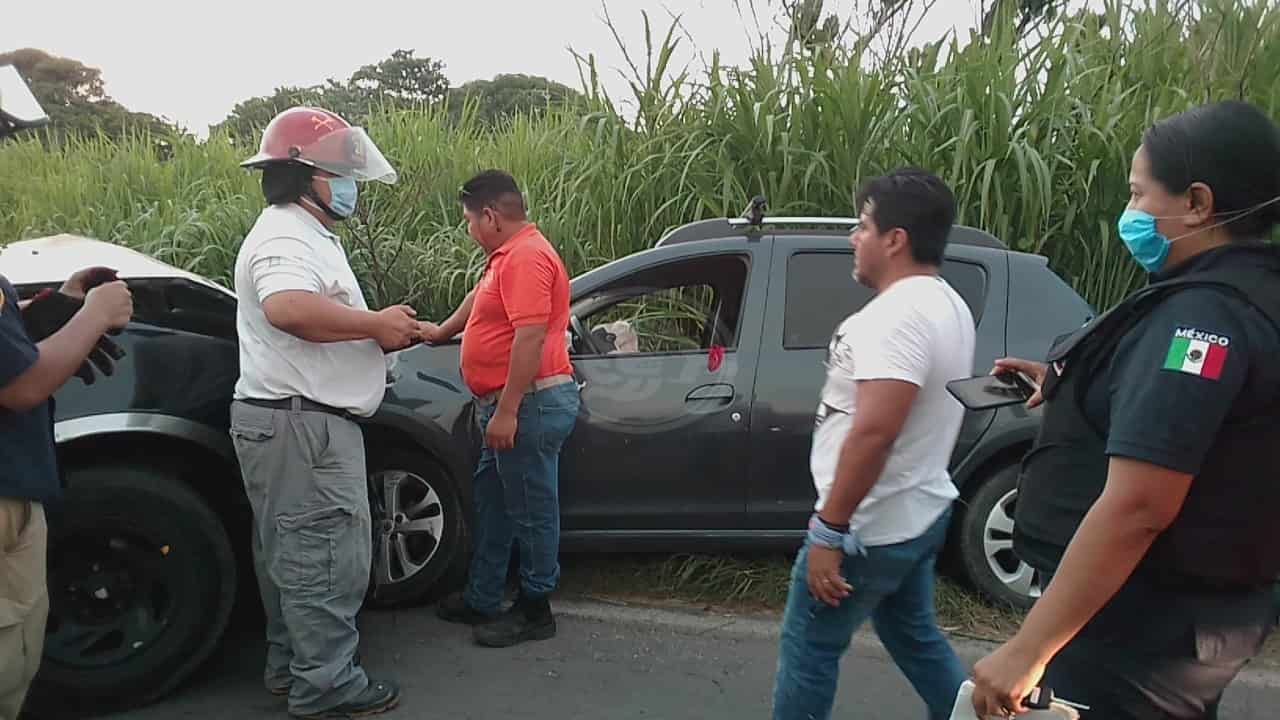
1197, 353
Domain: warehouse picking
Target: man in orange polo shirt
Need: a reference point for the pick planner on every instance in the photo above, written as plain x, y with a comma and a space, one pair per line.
515, 361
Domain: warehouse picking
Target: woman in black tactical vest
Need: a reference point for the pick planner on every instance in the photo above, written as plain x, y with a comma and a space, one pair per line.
1151, 499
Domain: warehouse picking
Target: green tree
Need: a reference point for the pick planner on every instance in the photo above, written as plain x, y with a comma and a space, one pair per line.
508, 95
401, 81
75, 97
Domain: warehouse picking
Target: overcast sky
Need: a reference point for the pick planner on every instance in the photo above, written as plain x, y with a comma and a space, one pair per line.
191, 62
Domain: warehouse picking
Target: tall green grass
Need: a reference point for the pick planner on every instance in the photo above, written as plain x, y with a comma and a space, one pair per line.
1034, 134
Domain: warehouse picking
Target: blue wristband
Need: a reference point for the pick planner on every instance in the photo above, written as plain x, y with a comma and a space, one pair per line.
823, 536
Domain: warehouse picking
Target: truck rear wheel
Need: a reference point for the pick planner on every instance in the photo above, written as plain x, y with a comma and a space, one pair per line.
141, 584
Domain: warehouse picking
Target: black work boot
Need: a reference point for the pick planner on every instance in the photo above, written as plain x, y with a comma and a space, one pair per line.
378, 698
528, 619
455, 609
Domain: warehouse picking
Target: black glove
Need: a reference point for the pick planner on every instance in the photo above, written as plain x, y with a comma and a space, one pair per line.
49, 311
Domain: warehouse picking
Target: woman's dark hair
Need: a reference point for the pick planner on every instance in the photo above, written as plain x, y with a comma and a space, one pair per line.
284, 183
1232, 147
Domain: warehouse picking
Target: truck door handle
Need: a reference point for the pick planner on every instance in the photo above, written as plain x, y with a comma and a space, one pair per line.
716, 394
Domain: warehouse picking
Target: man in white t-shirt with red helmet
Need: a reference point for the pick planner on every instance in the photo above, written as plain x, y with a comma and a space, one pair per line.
886, 428
312, 362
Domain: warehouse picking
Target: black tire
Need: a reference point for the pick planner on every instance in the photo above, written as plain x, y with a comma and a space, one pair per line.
970, 535
140, 562
440, 552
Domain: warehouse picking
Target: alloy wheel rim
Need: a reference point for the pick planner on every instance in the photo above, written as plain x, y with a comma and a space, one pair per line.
997, 548
408, 523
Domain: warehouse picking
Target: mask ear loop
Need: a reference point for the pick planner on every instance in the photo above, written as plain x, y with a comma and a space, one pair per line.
314, 199
1236, 215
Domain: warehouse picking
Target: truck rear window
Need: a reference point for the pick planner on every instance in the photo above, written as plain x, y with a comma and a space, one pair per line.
821, 293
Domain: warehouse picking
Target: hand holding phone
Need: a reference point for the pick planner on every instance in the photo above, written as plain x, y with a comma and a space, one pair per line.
1033, 372
985, 392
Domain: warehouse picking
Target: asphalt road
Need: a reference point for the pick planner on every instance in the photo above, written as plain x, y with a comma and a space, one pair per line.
607, 661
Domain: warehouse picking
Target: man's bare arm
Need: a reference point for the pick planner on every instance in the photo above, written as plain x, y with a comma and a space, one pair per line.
882, 410
526, 355
453, 324
317, 319
62, 353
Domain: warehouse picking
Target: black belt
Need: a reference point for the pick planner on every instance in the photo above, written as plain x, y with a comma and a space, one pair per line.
301, 403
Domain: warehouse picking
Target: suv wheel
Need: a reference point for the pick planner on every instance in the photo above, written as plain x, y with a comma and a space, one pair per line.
141, 584
417, 525
985, 535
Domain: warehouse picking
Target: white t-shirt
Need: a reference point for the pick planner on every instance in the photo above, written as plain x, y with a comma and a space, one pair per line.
289, 249
921, 331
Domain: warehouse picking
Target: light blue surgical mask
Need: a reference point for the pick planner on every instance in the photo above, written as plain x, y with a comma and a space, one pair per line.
1147, 244
1150, 247
342, 195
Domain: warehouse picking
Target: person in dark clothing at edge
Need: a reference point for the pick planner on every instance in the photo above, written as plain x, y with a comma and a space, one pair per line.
43, 343
42, 346
1150, 500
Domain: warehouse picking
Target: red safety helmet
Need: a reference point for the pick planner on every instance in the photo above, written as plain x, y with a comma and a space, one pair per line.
319, 138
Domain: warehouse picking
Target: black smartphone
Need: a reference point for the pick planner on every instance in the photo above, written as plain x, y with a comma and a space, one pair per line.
992, 391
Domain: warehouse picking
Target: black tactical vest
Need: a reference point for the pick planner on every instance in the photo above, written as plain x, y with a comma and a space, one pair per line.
1228, 531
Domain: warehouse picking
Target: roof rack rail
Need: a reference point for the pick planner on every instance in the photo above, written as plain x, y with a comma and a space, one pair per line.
717, 228
753, 218
790, 220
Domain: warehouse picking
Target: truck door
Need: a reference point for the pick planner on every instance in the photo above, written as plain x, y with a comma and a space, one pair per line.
811, 291
661, 440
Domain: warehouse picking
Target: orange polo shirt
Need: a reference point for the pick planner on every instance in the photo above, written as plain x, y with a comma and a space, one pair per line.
524, 283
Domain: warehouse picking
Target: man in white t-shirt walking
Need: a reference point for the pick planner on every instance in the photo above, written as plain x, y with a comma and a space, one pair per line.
311, 363
886, 428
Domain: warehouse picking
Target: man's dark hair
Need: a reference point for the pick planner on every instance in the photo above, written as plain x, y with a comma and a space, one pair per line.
915, 200
493, 189
284, 183
1231, 146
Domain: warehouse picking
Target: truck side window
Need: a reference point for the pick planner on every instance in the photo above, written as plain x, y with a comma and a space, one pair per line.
682, 306
821, 292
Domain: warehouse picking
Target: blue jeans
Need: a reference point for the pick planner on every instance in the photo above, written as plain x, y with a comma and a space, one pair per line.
517, 499
892, 585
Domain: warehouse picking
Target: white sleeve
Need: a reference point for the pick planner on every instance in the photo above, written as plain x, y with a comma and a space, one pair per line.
283, 263
896, 346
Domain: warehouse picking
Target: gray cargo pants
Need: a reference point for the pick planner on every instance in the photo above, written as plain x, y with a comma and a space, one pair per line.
305, 476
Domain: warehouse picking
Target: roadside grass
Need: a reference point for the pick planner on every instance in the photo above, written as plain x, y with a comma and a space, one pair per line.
749, 584
755, 584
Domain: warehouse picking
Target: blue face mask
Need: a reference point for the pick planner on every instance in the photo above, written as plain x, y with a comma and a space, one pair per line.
1147, 245
1150, 247
343, 193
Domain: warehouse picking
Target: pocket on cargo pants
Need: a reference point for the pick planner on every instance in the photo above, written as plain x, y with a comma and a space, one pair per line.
309, 550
